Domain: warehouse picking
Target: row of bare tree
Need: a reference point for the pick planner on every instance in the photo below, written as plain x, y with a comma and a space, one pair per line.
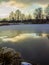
39, 16
39, 13
18, 16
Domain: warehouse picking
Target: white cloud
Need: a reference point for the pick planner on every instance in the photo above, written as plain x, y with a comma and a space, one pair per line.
7, 7
24, 5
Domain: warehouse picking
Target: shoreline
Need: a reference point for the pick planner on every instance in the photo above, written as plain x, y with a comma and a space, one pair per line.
21, 24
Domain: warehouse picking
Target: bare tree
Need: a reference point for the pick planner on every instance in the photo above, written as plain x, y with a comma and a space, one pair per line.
17, 14
38, 13
29, 17
47, 12
22, 17
11, 16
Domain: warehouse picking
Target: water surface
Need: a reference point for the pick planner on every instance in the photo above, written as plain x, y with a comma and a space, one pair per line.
32, 41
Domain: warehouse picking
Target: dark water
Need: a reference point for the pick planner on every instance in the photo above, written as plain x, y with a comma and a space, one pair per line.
32, 41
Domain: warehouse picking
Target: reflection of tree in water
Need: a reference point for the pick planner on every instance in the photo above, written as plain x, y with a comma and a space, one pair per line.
9, 57
48, 36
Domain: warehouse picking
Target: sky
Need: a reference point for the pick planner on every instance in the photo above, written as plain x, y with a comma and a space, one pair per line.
26, 6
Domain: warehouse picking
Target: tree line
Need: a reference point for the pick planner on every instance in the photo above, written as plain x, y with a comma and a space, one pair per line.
39, 16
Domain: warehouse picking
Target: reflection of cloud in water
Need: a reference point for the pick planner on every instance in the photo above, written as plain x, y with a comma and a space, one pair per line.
44, 35
2, 37
17, 38
22, 37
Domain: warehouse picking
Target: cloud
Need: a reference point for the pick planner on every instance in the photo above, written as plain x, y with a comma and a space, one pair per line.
23, 3
16, 4
27, 6
33, 1
13, 3
28, 1
7, 7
